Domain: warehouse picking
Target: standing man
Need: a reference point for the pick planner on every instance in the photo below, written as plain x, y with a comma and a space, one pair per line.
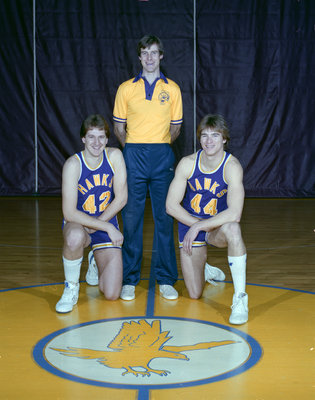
94, 190
147, 119
207, 197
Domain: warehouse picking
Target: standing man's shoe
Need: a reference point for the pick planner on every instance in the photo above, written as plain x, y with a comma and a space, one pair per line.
168, 292
127, 292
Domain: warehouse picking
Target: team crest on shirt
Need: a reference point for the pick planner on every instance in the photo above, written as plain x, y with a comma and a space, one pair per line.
164, 97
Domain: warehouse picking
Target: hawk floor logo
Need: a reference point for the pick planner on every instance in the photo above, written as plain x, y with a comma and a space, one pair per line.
167, 352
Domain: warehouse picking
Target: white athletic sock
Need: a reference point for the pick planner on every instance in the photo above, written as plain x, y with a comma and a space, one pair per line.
72, 269
238, 271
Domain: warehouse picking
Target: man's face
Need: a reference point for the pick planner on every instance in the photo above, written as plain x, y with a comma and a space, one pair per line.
150, 58
211, 141
95, 141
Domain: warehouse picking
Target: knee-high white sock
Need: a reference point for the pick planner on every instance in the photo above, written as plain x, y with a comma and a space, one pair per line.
238, 271
72, 269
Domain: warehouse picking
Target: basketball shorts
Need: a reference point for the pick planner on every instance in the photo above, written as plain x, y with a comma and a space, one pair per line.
101, 240
198, 242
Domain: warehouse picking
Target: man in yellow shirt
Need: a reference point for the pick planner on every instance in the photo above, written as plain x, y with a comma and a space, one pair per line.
147, 119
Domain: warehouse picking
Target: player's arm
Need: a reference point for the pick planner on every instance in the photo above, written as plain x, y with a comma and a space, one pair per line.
70, 178
119, 185
177, 190
120, 113
120, 132
176, 113
235, 202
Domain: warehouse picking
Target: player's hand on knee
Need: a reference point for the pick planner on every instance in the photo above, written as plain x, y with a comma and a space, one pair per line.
115, 236
189, 239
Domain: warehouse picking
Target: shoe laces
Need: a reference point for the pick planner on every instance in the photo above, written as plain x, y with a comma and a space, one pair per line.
238, 302
128, 289
69, 291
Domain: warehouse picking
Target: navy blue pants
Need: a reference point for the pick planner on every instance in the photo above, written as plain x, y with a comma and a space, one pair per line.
149, 166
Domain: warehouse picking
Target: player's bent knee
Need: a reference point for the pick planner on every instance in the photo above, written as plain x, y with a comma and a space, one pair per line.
111, 296
231, 229
75, 239
194, 294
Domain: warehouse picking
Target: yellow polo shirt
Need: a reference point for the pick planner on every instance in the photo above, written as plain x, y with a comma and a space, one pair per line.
148, 110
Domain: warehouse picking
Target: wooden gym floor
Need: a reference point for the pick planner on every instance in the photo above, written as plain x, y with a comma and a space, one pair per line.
200, 354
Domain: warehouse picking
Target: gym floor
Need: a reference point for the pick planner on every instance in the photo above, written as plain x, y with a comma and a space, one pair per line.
182, 349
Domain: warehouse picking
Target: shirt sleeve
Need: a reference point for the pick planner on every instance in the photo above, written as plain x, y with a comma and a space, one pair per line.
177, 107
120, 106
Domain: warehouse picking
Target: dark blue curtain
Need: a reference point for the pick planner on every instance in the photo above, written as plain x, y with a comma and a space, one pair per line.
255, 65
17, 163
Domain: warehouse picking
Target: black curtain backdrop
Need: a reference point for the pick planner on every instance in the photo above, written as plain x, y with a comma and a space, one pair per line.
255, 64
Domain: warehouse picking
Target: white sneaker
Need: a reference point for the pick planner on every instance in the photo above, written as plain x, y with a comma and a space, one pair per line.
213, 274
168, 292
239, 307
69, 297
127, 292
91, 276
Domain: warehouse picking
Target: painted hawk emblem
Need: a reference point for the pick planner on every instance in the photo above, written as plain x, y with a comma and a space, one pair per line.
136, 345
